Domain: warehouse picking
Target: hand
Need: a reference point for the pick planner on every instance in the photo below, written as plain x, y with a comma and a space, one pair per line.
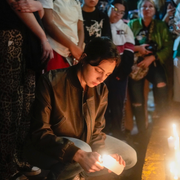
75, 61
142, 49
147, 61
89, 161
119, 159
76, 51
47, 52
170, 10
27, 6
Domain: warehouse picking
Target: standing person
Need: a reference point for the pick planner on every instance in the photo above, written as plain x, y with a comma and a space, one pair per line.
68, 116
64, 25
123, 38
96, 23
149, 34
17, 81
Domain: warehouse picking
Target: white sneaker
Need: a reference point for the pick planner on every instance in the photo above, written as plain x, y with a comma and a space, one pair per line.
31, 171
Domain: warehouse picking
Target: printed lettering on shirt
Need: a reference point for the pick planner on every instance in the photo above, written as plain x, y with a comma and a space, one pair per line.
120, 32
95, 29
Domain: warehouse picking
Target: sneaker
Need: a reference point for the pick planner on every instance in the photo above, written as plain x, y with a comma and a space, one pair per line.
31, 171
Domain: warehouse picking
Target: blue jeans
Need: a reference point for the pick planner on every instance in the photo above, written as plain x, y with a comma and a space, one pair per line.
69, 170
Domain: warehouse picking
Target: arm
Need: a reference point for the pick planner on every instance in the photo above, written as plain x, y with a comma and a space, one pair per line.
80, 34
30, 21
142, 49
28, 6
166, 43
58, 35
170, 12
127, 57
98, 137
43, 137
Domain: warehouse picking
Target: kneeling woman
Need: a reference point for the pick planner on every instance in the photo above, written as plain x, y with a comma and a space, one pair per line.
68, 116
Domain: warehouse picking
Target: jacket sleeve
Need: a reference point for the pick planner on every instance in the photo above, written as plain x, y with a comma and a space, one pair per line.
125, 67
42, 135
98, 137
127, 56
165, 42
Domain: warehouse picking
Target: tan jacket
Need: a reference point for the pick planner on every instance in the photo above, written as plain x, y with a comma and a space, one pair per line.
61, 108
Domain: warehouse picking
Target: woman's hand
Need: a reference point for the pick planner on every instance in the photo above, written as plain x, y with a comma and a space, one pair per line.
142, 49
27, 6
170, 10
76, 51
47, 52
89, 161
147, 61
118, 159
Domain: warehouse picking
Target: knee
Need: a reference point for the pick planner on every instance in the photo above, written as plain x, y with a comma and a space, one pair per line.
161, 84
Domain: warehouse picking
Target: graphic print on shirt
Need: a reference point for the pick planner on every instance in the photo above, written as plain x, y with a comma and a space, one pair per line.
95, 29
141, 38
120, 32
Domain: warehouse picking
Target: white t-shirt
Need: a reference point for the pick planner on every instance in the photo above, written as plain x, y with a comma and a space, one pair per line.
66, 14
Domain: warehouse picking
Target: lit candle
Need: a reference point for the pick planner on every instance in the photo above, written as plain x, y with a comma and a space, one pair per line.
171, 142
111, 164
176, 137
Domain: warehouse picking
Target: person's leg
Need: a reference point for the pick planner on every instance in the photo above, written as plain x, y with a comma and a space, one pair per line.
116, 146
116, 101
58, 170
136, 93
157, 77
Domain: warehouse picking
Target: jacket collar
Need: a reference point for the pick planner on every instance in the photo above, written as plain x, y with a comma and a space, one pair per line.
72, 76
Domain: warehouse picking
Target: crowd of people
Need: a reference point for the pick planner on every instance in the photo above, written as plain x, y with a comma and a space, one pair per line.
66, 70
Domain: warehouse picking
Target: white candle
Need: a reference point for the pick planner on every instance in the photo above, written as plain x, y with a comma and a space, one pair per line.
176, 137
111, 164
171, 142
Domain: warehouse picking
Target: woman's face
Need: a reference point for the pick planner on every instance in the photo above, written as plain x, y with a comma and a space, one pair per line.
147, 10
94, 75
117, 13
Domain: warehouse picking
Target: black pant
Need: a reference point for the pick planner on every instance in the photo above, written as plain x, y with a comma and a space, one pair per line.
116, 106
156, 74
